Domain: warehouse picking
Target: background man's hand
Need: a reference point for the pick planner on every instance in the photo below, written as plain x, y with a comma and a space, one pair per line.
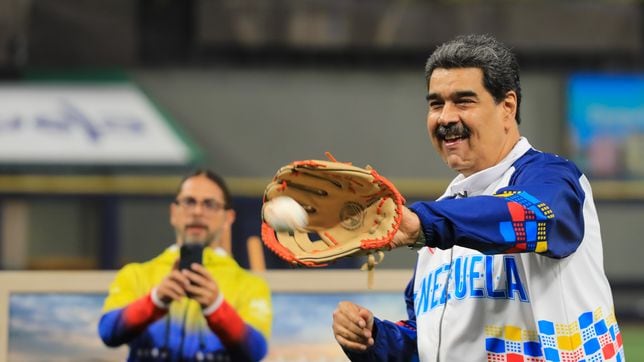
172, 287
352, 326
201, 287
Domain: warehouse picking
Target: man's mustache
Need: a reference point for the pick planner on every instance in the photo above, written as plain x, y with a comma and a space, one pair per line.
452, 130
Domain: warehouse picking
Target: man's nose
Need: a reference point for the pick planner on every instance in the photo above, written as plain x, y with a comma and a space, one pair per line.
449, 114
198, 208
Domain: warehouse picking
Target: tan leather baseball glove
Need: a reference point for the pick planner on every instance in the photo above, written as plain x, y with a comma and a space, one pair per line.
351, 211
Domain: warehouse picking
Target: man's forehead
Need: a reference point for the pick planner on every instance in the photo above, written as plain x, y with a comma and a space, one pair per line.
449, 81
201, 186
456, 75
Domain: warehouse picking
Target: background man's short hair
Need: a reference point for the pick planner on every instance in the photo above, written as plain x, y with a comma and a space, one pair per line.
218, 180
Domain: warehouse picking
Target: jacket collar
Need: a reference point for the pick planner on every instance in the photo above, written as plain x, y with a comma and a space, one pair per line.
217, 249
216, 255
476, 184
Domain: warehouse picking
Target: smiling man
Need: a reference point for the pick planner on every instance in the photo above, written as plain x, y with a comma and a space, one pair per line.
213, 310
468, 128
510, 264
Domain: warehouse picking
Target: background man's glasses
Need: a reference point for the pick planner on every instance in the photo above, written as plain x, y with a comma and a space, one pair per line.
207, 205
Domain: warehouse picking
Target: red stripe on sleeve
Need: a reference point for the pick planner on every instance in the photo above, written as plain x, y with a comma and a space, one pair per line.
227, 325
517, 211
142, 312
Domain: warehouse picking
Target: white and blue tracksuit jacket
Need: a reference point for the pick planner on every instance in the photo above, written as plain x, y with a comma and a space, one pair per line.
513, 271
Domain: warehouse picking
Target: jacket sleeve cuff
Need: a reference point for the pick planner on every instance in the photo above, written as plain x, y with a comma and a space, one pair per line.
426, 236
157, 301
214, 306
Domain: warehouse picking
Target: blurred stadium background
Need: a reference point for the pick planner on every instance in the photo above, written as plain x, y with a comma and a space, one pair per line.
105, 104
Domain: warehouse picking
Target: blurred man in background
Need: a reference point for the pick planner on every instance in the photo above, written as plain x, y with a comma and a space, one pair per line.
212, 310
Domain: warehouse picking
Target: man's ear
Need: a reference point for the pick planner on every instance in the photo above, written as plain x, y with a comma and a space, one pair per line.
173, 212
231, 215
509, 104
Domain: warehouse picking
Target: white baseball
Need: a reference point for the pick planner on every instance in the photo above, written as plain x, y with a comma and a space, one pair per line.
284, 214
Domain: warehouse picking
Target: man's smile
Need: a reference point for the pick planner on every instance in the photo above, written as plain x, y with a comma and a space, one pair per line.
452, 134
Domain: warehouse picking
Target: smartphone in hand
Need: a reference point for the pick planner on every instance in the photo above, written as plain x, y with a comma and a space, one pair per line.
190, 253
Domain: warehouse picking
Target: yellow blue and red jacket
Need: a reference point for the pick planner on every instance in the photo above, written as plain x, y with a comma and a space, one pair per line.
238, 330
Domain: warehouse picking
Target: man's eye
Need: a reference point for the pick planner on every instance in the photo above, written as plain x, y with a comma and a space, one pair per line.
213, 205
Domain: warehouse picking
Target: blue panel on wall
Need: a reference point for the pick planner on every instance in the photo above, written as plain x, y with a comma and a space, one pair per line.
606, 120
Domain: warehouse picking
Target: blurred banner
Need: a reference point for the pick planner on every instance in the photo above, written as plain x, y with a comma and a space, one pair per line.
86, 124
606, 119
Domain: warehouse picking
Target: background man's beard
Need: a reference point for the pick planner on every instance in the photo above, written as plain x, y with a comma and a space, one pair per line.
208, 240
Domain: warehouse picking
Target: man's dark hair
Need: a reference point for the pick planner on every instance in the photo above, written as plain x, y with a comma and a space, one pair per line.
218, 180
498, 63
